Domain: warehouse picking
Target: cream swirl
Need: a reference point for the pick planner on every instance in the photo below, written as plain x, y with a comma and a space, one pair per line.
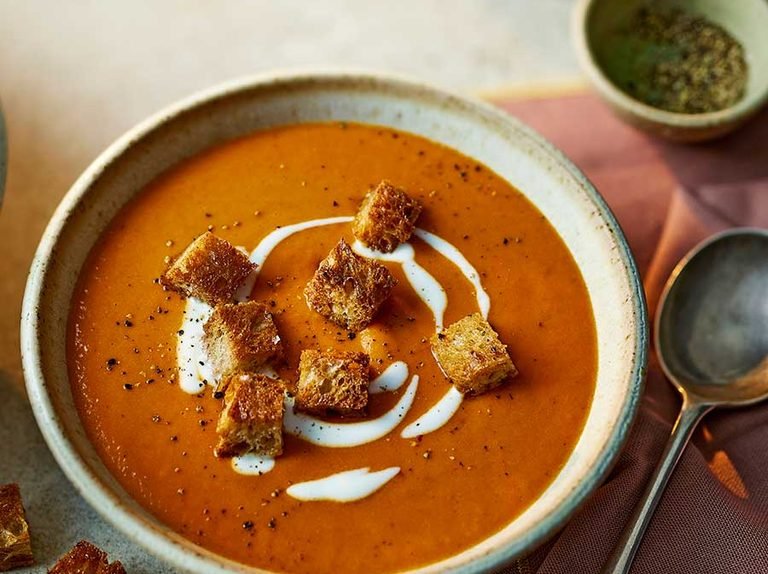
196, 372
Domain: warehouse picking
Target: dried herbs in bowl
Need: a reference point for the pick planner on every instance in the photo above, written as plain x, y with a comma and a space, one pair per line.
685, 70
682, 63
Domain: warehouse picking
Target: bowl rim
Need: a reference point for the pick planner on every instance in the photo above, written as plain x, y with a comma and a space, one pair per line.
179, 551
734, 114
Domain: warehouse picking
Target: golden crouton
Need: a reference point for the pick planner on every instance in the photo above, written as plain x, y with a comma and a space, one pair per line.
348, 289
471, 356
242, 337
15, 545
210, 269
333, 382
85, 558
387, 218
252, 418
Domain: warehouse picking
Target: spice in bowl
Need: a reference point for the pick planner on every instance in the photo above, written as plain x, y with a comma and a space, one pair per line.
681, 62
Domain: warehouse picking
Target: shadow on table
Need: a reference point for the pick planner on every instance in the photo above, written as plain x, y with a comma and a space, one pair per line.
58, 517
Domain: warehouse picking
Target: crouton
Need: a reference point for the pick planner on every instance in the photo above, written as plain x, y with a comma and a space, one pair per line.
85, 558
15, 544
333, 382
348, 289
471, 356
242, 337
387, 218
252, 418
210, 269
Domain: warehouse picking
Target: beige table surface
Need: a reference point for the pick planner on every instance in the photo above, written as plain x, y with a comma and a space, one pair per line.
75, 75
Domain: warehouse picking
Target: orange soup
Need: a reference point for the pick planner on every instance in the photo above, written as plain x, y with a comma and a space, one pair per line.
453, 486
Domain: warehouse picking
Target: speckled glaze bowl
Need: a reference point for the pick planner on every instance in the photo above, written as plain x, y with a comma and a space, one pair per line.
514, 151
594, 27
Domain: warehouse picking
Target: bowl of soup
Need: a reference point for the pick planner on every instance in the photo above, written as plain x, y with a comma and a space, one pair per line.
278, 166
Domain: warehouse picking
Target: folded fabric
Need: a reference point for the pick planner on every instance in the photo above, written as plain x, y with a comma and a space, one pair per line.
713, 517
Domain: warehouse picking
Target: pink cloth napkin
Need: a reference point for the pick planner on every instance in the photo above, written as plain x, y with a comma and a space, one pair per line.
713, 517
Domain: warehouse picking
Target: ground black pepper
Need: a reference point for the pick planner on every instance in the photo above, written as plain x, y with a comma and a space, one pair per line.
683, 63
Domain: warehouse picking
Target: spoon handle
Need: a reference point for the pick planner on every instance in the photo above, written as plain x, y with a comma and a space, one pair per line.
621, 559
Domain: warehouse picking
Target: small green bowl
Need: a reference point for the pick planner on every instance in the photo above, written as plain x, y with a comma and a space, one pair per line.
595, 30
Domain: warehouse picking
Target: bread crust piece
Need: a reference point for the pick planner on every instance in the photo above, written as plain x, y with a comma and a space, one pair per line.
386, 218
210, 269
85, 558
252, 418
333, 382
15, 543
242, 337
348, 289
471, 355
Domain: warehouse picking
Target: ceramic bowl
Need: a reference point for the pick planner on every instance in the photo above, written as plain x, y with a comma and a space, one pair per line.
594, 27
502, 143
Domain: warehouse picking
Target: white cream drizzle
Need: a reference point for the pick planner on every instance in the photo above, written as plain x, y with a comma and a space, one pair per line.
195, 370
272, 239
439, 414
253, 464
244, 292
427, 287
346, 486
456, 257
344, 435
327, 434
391, 379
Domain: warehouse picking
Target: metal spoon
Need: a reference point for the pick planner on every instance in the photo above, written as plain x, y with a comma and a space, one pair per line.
711, 336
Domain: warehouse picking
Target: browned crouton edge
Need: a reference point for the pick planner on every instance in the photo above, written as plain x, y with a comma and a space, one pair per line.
471, 355
252, 418
210, 269
15, 543
387, 218
348, 289
333, 382
86, 558
242, 337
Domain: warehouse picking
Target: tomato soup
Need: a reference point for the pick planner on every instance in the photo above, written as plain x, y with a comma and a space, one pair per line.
451, 487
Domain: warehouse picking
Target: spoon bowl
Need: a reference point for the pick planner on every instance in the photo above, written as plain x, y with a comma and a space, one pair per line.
712, 327
712, 342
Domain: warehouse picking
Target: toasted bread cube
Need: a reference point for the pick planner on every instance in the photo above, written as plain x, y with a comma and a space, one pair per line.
348, 289
210, 268
242, 337
387, 218
333, 382
15, 544
252, 418
471, 355
85, 558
